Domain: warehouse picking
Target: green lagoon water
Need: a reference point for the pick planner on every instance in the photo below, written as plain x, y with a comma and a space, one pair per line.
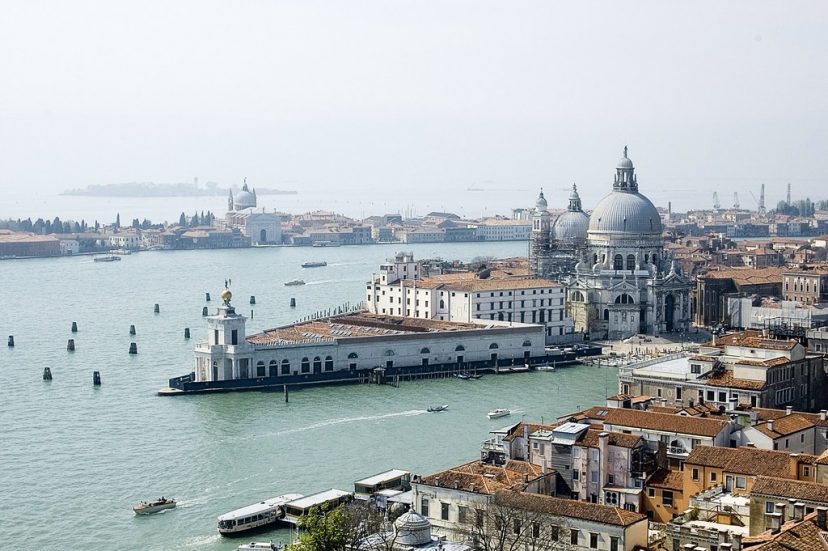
74, 458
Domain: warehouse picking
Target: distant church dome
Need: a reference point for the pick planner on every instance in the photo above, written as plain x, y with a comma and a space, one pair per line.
541, 203
244, 199
625, 212
412, 529
574, 223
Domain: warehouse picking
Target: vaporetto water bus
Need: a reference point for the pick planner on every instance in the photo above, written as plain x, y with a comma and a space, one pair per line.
255, 516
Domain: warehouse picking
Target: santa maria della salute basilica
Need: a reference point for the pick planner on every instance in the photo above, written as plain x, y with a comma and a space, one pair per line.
612, 262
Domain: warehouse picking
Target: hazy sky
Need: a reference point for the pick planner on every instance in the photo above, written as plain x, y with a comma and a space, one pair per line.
429, 96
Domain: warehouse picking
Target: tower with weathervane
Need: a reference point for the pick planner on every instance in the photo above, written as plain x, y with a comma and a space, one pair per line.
226, 354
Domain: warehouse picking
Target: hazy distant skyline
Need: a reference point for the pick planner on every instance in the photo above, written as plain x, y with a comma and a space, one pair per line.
427, 97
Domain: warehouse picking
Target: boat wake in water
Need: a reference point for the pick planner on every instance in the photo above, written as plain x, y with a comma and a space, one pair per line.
342, 421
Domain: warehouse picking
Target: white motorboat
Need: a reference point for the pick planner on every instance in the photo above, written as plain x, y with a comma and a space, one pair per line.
314, 264
294, 282
433, 409
149, 507
496, 413
106, 258
254, 545
253, 516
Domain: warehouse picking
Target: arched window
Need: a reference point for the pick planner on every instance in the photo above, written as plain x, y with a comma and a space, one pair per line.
285, 367
647, 258
389, 352
493, 346
274, 368
442, 304
631, 262
328, 363
655, 259
459, 348
618, 262
317, 364
606, 314
500, 316
624, 299
353, 356
595, 258
527, 342
260, 369
305, 365
577, 296
425, 350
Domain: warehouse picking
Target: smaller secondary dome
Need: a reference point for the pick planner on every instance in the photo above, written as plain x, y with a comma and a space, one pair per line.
541, 203
226, 295
571, 226
413, 529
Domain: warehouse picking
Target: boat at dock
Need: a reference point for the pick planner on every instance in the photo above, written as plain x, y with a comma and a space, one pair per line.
497, 413
314, 264
433, 409
149, 507
259, 545
107, 258
326, 243
294, 282
254, 516
461, 376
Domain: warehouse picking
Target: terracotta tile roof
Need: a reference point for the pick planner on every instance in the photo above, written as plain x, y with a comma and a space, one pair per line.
822, 459
784, 488
805, 535
748, 276
664, 422
726, 379
517, 431
785, 425
590, 438
469, 282
749, 461
667, 479
754, 339
483, 477
557, 506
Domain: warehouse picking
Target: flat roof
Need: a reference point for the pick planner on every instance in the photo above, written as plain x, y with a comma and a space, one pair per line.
259, 507
675, 368
382, 477
318, 498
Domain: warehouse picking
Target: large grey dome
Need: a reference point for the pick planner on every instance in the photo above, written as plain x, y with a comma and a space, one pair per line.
412, 529
571, 226
244, 199
625, 212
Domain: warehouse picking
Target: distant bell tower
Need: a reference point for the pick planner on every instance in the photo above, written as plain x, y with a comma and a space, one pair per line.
226, 354
540, 246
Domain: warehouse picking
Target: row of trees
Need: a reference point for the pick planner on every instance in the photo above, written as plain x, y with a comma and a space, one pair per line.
802, 207
196, 220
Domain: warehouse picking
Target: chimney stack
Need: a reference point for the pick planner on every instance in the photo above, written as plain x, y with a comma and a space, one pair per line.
823, 413
791, 508
736, 540
820, 518
774, 522
780, 508
788, 410
770, 425
799, 510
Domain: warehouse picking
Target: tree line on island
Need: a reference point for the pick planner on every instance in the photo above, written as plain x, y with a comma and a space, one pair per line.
58, 226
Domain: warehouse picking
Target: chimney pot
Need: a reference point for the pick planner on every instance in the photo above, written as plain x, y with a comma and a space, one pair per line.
821, 515
799, 509
736, 541
823, 414
788, 410
770, 425
774, 521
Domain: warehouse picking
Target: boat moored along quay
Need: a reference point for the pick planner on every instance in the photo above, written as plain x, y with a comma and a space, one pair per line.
357, 347
255, 516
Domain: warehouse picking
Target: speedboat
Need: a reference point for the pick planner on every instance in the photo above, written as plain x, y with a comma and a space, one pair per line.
461, 376
107, 258
496, 413
253, 545
432, 409
294, 282
149, 507
314, 264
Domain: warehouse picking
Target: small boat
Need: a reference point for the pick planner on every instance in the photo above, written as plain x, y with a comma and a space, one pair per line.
496, 413
107, 258
461, 376
545, 367
433, 409
149, 507
294, 282
314, 264
253, 545
475, 376
326, 243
